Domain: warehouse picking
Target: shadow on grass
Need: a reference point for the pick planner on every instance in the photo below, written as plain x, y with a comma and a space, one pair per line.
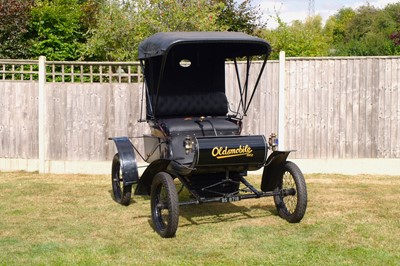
210, 213
215, 213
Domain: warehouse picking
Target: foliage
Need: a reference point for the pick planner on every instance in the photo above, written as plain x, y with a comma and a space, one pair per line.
298, 39
112, 29
336, 26
121, 26
241, 17
56, 30
393, 11
14, 20
112, 37
363, 31
90, 10
367, 31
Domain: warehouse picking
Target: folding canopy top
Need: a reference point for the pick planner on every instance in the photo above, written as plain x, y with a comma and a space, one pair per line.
230, 44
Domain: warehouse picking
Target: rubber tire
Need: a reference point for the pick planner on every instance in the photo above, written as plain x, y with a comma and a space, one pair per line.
293, 213
163, 186
121, 193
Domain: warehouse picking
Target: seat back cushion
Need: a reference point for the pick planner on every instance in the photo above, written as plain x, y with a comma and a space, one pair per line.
205, 104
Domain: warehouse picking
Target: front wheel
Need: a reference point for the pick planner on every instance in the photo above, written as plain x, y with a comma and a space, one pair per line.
291, 202
164, 205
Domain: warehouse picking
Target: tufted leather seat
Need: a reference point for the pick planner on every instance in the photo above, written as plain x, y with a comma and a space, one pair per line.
210, 126
182, 105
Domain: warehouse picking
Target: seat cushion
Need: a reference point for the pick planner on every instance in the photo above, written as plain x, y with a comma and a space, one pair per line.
194, 126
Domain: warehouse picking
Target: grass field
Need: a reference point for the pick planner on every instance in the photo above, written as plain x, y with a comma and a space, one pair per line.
72, 220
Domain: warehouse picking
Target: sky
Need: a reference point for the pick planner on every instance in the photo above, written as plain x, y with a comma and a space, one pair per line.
290, 10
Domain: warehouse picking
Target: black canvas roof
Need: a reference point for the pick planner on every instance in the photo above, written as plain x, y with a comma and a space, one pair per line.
229, 44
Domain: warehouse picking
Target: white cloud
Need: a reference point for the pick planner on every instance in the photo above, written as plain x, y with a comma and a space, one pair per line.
287, 11
383, 3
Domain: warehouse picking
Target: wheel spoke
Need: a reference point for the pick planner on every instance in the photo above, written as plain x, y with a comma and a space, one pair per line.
290, 200
161, 206
117, 179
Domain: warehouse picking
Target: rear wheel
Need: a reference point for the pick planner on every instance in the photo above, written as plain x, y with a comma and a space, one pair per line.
121, 193
164, 205
291, 203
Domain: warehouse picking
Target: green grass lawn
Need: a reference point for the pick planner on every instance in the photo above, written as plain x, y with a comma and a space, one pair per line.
72, 219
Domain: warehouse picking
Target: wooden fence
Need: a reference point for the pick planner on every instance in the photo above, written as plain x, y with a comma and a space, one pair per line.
343, 107
335, 107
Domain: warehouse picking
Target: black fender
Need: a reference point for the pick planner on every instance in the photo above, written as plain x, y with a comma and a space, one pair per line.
144, 185
171, 167
127, 160
272, 174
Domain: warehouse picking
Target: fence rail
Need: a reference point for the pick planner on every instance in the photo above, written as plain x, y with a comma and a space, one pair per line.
71, 72
335, 107
19, 70
93, 72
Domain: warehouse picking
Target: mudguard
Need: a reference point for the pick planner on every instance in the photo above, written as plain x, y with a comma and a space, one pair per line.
272, 174
173, 168
144, 185
127, 160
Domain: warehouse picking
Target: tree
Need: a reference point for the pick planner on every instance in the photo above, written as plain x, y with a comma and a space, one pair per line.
110, 29
366, 31
337, 25
113, 38
242, 18
90, 10
122, 25
393, 11
14, 19
56, 29
298, 39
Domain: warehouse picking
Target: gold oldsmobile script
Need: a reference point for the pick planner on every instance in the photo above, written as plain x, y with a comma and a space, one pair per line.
224, 152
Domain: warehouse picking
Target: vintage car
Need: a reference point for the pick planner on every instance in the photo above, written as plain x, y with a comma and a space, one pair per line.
195, 139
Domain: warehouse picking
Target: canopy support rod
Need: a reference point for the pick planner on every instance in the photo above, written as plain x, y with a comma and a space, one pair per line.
246, 86
144, 87
240, 86
256, 85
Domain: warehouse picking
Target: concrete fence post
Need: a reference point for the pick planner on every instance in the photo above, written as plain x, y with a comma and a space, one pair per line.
42, 114
281, 101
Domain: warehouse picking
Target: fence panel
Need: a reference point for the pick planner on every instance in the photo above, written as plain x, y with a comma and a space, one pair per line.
18, 120
345, 107
81, 118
